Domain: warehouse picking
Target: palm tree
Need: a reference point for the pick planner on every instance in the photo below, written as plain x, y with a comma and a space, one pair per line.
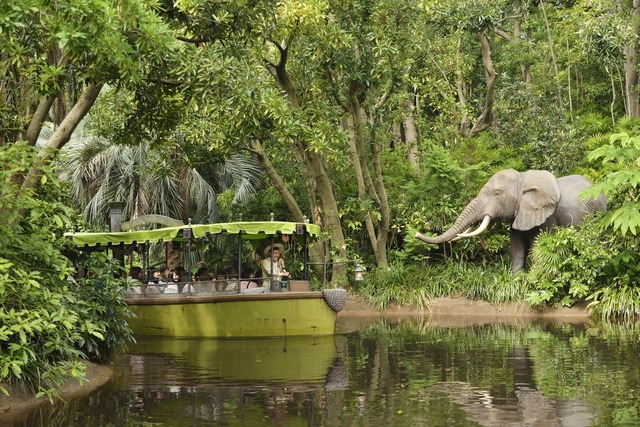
148, 180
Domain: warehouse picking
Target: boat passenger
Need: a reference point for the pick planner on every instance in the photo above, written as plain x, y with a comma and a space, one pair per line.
136, 273
172, 286
203, 275
164, 275
228, 278
179, 274
188, 288
273, 258
180, 279
152, 284
165, 281
246, 281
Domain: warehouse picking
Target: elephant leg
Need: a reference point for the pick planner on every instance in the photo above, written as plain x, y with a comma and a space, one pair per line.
520, 245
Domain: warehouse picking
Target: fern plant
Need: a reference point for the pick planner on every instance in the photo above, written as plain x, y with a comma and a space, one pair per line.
569, 265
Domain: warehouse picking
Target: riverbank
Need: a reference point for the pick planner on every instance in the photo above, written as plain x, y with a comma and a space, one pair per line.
458, 312
441, 308
453, 312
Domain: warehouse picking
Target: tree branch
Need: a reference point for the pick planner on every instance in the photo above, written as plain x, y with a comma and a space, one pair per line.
62, 134
32, 131
277, 181
334, 92
505, 35
196, 41
166, 82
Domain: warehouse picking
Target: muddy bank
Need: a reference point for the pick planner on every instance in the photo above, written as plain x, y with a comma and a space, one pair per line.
20, 402
458, 312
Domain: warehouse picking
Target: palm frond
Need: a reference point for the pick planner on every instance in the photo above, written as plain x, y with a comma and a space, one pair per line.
100, 172
243, 174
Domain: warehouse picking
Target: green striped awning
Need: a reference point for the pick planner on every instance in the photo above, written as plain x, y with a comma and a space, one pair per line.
250, 230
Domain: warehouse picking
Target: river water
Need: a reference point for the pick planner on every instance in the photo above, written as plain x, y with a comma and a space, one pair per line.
380, 372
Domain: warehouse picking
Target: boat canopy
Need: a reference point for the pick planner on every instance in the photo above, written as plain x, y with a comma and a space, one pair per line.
248, 230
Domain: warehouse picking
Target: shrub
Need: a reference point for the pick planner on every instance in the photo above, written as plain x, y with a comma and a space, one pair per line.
399, 284
99, 298
46, 320
568, 265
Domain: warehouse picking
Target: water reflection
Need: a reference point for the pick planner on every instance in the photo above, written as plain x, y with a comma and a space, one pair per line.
293, 360
409, 372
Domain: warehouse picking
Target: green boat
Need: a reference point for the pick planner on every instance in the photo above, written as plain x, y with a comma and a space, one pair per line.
219, 307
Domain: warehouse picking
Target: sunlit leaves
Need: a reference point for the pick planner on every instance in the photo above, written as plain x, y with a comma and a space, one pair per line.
626, 219
293, 13
603, 32
470, 15
622, 185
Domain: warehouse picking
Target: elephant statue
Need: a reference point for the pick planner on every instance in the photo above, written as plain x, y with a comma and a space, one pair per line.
534, 200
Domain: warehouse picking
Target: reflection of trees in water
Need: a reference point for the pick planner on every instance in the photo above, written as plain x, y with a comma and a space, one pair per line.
405, 373
481, 373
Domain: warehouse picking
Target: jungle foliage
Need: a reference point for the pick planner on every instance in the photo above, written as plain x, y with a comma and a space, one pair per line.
49, 323
598, 261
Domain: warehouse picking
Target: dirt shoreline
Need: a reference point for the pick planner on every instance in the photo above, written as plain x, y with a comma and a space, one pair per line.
464, 308
452, 312
458, 312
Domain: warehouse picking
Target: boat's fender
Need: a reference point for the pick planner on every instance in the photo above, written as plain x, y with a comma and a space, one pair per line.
335, 298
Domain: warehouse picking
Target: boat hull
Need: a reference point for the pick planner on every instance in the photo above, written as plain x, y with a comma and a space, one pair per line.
233, 316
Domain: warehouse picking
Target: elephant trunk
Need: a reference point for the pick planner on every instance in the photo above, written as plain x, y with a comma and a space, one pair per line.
466, 219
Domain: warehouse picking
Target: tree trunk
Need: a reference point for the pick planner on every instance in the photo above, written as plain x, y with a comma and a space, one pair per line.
461, 88
631, 66
358, 117
411, 135
486, 117
362, 191
277, 181
315, 170
32, 131
366, 187
385, 211
553, 56
316, 252
62, 134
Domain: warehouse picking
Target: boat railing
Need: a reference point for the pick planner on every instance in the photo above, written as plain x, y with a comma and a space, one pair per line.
219, 286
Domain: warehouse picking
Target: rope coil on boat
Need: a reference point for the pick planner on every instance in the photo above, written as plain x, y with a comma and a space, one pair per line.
335, 298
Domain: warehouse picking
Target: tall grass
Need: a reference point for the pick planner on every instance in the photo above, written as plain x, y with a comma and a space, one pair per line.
417, 285
399, 284
616, 303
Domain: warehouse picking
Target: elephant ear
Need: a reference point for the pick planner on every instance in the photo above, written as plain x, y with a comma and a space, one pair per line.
539, 197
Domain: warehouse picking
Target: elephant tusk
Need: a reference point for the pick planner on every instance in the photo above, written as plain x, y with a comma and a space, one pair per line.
480, 229
461, 235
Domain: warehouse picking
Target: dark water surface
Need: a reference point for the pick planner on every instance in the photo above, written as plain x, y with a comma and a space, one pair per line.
406, 372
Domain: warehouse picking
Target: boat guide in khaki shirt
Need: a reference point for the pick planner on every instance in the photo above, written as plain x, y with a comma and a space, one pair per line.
273, 259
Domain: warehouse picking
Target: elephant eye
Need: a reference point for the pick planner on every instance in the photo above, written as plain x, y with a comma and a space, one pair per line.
529, 190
